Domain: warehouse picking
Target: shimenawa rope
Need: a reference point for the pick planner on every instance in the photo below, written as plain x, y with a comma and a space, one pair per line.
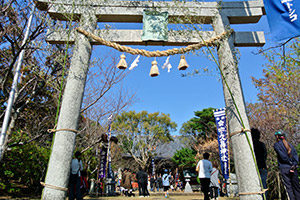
157, 53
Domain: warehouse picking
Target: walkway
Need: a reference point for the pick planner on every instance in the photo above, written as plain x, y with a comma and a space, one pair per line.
160, 196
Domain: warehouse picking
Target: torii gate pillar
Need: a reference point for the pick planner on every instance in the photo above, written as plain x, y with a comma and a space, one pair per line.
248, 180
64, 141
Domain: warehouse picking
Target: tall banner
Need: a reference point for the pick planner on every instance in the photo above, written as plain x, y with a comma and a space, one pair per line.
153, 167
109, 169
176, 177
284, 18
220, 118
106, 155
103, 156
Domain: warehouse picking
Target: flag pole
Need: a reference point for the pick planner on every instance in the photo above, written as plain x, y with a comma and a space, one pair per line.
11, 98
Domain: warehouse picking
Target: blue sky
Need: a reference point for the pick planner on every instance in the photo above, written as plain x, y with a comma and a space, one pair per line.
179, 96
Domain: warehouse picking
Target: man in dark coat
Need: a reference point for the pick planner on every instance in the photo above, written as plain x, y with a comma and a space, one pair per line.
140, 179
260, 151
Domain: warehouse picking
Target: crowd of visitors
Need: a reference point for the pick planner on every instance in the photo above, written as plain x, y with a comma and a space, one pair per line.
208, 174
157, 183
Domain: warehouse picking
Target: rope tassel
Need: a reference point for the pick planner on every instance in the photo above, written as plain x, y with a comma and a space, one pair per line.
182, 64
154, 69
122, 64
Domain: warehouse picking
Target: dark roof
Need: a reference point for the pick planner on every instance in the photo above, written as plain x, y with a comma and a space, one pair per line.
167, 150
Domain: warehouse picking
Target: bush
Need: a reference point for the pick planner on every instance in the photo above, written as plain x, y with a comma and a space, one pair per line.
24, 167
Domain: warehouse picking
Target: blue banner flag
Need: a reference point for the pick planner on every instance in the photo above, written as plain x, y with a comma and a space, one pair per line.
109, 168
102, 168
284, 18
153, 167
220, 118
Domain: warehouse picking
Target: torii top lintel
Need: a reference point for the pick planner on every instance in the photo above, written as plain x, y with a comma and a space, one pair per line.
238, 12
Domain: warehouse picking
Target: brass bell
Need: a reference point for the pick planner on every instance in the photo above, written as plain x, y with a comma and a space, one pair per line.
122, 63
154, 69
182, 64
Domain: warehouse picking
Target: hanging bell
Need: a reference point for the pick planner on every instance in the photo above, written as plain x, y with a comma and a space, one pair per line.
182, 64
154, 69
122, 64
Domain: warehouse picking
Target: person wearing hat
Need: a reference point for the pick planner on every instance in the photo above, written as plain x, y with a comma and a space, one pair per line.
287, 163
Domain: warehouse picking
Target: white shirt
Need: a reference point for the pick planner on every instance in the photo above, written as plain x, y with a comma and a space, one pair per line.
76, 166
205, 168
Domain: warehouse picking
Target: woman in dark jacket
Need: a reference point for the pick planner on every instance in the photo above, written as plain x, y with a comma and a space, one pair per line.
288, 164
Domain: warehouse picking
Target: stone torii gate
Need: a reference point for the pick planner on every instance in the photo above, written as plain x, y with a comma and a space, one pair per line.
89, 12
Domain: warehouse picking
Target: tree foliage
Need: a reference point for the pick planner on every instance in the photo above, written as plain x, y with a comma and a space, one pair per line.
140, 133
185, 158
200, 126
201, 133
24, 168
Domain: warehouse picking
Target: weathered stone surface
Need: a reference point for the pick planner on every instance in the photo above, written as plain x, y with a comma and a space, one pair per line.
175, 38
132, 11
248, 180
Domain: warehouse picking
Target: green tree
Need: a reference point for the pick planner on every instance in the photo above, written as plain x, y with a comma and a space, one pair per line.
201, 133
201, 126
140, 133
185, 158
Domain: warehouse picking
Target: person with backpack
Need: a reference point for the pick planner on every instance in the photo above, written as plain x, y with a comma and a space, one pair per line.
166, 182
287, 163
214, 182
74, 180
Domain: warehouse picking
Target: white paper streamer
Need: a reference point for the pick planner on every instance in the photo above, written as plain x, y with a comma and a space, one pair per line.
167, 64
134, 63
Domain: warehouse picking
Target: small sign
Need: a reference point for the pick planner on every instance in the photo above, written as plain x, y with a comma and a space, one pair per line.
155, 26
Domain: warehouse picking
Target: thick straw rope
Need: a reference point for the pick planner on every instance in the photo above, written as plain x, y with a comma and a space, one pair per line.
62, 129
241, 131
143, 52
250, 193
54, 187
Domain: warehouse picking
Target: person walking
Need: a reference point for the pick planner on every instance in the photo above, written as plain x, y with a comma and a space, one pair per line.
74, 180
166, 182
204, 168
127, 181
214, 182
287, 163
145, 184
140, 178
260, 151
159, 183
152, 183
